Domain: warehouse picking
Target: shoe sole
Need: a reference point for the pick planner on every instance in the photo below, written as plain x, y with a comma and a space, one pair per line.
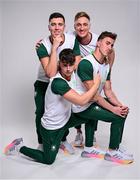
7, 148
111, 159
78, 145
99, 156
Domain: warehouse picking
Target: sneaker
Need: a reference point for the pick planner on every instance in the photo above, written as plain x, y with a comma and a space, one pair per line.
14, 147
95, 153
118, 156
40, 147
78, 142
123, 150
66, 147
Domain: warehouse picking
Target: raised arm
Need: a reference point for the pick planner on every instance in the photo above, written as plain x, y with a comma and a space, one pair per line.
49, 62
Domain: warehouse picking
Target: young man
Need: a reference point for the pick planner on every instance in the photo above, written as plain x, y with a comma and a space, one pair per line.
48, 53
57, 117
87, 42
113, 110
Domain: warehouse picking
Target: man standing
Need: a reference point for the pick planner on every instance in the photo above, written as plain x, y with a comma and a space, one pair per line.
48, 53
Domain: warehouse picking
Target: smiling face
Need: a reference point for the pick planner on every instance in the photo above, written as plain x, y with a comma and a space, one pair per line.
82, 26
56, 27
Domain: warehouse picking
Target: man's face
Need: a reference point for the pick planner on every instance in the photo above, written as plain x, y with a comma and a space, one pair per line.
106, 45
66, 70
56, 27
82, 26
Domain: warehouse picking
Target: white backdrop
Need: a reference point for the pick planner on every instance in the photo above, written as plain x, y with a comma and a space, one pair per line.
24, 22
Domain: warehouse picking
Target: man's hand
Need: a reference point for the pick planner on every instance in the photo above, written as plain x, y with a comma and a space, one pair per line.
57, 41
121, 110
38, 44
125, 110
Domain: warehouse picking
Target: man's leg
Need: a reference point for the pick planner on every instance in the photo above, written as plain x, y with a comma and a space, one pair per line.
89, 133
65, 146
78, 142
116, 131
117, 123
51, 141
40, 90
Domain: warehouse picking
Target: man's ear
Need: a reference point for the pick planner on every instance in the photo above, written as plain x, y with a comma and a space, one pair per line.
74, 26
98, 43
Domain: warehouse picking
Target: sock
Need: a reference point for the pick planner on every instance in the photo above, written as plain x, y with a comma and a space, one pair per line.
88, 149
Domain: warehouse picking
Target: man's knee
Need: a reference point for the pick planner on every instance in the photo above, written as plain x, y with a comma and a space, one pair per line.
50, 159
51, 154
121, 119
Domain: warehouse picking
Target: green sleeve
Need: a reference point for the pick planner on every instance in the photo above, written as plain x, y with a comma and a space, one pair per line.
76, 48
109, 75
60, 86
85, 70
42, 51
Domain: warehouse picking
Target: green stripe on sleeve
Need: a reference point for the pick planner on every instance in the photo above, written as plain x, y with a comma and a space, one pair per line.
85, 70
76, 48
60, 86
42, 51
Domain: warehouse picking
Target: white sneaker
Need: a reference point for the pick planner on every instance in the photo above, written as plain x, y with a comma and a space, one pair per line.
66, 147
123, 150
14, 147
94, 153
78, 142
40, 147
118, 156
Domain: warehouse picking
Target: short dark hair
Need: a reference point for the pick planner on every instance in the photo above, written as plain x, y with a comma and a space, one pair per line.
107, 34
81, 14
67, 56
56, 15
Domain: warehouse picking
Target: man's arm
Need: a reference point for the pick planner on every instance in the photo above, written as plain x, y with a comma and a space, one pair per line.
61, 87
98, 98
77, 60
110, 94
83, 99
113, 98
49, 63
102, 102
76, 51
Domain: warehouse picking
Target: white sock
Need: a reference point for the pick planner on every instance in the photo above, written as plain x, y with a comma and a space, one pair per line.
88, 149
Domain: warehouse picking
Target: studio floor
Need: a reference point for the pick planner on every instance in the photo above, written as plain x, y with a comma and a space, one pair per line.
68, 166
